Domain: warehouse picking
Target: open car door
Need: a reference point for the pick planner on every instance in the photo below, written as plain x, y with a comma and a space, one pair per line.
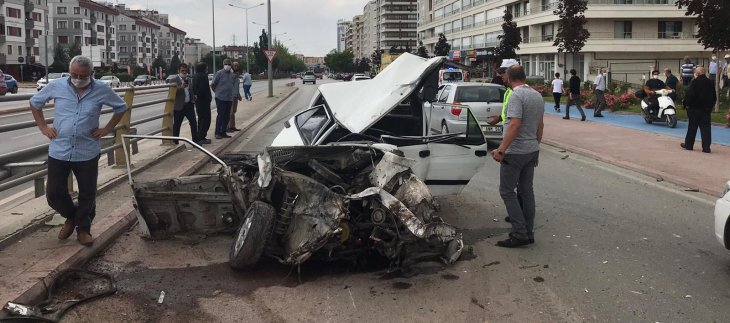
454, 158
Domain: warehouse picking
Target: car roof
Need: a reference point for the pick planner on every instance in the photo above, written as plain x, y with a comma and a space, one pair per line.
463, 84
359, 105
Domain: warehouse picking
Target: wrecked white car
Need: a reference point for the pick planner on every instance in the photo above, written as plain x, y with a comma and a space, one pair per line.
349, 177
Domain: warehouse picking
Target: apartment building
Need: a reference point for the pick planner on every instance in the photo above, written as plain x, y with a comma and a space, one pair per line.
195, 50
370, 28
397, 23
343, 28
148, 34
22, 28
629, 37
87, 23
172, 42
358, 36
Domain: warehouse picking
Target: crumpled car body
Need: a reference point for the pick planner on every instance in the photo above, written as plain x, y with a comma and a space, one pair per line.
332, 202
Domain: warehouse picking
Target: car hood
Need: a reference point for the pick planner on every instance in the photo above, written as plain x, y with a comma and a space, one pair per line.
359, 105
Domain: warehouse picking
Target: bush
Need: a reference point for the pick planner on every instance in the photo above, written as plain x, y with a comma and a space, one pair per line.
543, 89
124, 77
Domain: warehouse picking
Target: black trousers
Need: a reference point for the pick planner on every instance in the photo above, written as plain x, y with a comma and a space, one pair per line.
702, 120
188, 111
59, 199
557, 96
202, 107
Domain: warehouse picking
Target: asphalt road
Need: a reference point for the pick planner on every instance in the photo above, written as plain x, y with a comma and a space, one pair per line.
612, 245
30, 137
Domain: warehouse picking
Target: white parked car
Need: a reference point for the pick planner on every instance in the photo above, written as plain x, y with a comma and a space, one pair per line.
359, 78
722, 213
390, 109
111, 80
51, 77
483, 99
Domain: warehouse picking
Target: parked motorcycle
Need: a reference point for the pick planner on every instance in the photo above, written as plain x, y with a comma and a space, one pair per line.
666, 111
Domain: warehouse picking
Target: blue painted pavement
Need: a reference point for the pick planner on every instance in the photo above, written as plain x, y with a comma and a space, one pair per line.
720, 134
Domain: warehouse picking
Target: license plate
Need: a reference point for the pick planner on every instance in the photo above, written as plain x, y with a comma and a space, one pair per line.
491, 128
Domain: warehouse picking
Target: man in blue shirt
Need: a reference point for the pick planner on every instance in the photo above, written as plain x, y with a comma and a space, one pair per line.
74, 143
222, 85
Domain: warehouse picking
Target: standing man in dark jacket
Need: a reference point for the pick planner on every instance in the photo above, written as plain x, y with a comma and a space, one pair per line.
699, 101
184, 107
202, 98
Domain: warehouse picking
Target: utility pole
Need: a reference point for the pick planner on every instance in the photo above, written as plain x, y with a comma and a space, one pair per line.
271, 66
213, 7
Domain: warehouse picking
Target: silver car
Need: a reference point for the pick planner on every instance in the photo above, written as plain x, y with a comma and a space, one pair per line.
309, 77
483, 99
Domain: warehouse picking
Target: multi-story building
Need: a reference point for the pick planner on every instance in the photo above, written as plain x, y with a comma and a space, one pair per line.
172, 42
154, 36
343, 28
370, 28
130, 45
90, 25
397, 23
22, 27
195, 50
629, 38
358, 37
235, 52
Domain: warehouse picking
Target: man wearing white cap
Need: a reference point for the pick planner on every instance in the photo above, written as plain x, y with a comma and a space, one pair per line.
506, 63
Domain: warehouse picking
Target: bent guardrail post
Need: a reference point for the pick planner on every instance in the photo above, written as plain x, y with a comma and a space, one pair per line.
167, 120
123, 128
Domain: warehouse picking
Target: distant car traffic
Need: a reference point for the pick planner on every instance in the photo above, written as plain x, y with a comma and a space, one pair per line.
722, 213
111, 80
143, 80
171, 79
483, 99
309, 77
11, 83
51, 77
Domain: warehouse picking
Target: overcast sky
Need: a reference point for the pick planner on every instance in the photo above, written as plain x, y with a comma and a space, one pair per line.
310, 24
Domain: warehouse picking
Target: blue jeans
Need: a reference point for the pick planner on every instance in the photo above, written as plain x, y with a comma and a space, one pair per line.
247, 91
224, 115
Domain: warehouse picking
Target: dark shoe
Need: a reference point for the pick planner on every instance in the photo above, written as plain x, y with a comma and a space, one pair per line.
706, 151
566, 118
233, 129
85, 238
531, 241
583, 118
598, 116
506, 219
218, 137
225, 135
685, 146
512, 243
204, 142
66, 230
558, 109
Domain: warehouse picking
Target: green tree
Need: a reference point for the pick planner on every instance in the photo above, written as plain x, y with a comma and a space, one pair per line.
340, 61
74, 50
572, 34
711, 17
442, 46
422, 50
509, 41
159, 62
174, 64
60, 59
259, 56
376, 58
364, 65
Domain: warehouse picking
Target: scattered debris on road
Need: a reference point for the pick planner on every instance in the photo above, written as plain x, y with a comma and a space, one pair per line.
539, 279
161, 299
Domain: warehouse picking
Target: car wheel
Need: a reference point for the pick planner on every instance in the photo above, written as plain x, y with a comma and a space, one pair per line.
444, 128
14, 90
251, 237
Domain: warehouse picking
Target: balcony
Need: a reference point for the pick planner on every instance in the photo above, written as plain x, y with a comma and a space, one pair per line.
497, 20
29, 24
541, 39
29, 6
3, 58
642, 35
549, 7
631, 2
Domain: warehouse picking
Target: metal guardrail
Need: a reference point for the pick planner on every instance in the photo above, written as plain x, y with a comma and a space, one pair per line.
113, 146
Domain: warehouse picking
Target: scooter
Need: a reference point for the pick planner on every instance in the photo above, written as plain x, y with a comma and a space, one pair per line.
667, 112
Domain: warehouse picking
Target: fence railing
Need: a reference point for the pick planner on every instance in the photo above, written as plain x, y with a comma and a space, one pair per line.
16, 168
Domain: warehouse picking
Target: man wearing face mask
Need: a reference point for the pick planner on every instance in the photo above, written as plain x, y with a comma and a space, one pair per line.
184, 106
713, 68
652, 85
222, 85
699, 101
74, 143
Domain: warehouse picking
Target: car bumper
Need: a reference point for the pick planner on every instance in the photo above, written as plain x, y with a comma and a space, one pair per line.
490, 132
722, 212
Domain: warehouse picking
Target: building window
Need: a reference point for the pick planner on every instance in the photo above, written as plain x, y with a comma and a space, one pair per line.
77, 11
100, 29
14, 31
622, 29
87, 26
112, 55
37, 33
134, 27
20, 50
62, 24
547, 32
122, 49
36, 51
670, 29
61, 10
122, 38
37, 16
111, 42
63, 39
77, 39
13, 12
122, 27
134, 49
77, 25
10, 50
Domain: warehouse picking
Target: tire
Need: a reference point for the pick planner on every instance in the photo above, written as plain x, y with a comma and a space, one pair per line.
250, 241
671, 120
444, 128
647, 118
14, 90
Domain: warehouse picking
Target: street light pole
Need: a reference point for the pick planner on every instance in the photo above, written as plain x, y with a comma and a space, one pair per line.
248, 63
271, 66
212, 4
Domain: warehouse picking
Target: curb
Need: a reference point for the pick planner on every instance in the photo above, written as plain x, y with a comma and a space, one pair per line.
38, 291
633, 167
14, 110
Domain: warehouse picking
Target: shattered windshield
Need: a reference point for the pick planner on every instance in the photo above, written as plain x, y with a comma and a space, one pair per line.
311, 122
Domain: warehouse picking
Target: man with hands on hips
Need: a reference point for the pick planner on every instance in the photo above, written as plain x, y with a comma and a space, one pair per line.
74, 146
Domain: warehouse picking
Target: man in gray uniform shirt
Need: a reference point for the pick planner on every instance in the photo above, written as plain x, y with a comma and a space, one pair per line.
518, 155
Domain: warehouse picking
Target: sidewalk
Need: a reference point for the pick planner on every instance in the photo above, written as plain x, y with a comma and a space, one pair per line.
651, 154
28, 264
